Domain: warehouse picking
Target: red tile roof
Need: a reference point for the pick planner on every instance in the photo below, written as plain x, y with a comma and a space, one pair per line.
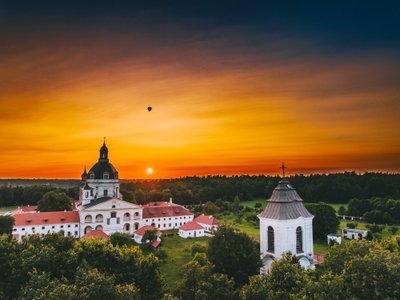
54, 217
164, 209
191, 226
96, 234
25, 209
155, 243
143, 229
209, 220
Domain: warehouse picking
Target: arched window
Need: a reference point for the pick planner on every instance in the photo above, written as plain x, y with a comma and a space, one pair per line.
99, 219
299, 240
99, 227
106, 175
127, 227
88, 229
88, 219
271, 240
136, 226
136, 215
127, 216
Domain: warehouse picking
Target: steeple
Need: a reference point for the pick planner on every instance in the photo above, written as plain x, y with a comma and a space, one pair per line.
104, 152
283, 170
84, 174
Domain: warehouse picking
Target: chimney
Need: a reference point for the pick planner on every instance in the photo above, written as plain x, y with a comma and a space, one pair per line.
170, 200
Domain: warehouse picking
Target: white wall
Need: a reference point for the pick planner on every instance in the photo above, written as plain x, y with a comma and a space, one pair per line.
285, 236
165, 223
112, 224
70, 229
191, 233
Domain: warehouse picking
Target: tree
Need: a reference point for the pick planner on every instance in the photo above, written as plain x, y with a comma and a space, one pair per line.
373, 276
210, 208
200, 283
342, 211
6, 224
149, 236
120, 239
338, 255
234, 253
54, 201
286, 280
325, 220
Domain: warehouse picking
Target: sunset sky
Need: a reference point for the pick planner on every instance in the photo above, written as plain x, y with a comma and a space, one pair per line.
236, 87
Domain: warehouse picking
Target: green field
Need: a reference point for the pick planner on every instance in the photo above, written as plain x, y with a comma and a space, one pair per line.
337, 205
253, 202
178, 254
7, 208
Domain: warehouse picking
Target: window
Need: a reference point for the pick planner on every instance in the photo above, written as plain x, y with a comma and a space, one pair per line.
42, 227
68, 226
105, 193
23, 229
76, 232
88, 219
62, 226
127, 216
53, 227
76, 225
15, 229
99, 218
106, 175
271, 240
299, 240
113, 214
91, 175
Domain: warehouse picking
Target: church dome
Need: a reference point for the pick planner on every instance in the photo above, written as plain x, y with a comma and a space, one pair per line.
285, 204
103, 169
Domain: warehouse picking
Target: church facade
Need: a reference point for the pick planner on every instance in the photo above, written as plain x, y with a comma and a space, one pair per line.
285, 226
101, 207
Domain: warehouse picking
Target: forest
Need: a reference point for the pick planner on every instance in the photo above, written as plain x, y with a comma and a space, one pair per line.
58, 267
330, 188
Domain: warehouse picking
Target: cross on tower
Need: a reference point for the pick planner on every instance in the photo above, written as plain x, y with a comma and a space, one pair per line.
283, 170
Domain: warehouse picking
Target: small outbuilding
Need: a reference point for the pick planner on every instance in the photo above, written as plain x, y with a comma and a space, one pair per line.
96, 234
209, 223
138, 235
191, 230
337, 238
354, 234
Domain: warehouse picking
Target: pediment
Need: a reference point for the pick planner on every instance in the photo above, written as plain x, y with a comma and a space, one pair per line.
109, 204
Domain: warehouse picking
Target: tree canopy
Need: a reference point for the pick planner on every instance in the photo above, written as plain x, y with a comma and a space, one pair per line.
234, 253
55, 201
325, 220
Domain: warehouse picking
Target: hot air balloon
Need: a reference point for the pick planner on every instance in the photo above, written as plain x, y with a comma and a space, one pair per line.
149, 108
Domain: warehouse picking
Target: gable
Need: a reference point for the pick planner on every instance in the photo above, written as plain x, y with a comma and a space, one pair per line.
107, 204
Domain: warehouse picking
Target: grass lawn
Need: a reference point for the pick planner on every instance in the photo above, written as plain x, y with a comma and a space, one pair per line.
7, 208
247, 227
178, 254
251, 203
337, 205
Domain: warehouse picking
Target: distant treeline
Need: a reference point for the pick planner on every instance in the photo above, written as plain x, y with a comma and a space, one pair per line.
29, 195
331, 188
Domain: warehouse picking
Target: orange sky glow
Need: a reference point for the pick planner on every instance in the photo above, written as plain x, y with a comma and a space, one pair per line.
216, 110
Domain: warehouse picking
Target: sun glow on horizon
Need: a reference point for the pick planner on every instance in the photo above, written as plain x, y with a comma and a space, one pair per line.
149, 171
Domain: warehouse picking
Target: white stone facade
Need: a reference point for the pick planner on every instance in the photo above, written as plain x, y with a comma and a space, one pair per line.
112, 215
69, 229
285, 238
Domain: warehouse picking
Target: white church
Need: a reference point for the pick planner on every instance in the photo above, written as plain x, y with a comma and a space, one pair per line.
286, 226
101, 209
